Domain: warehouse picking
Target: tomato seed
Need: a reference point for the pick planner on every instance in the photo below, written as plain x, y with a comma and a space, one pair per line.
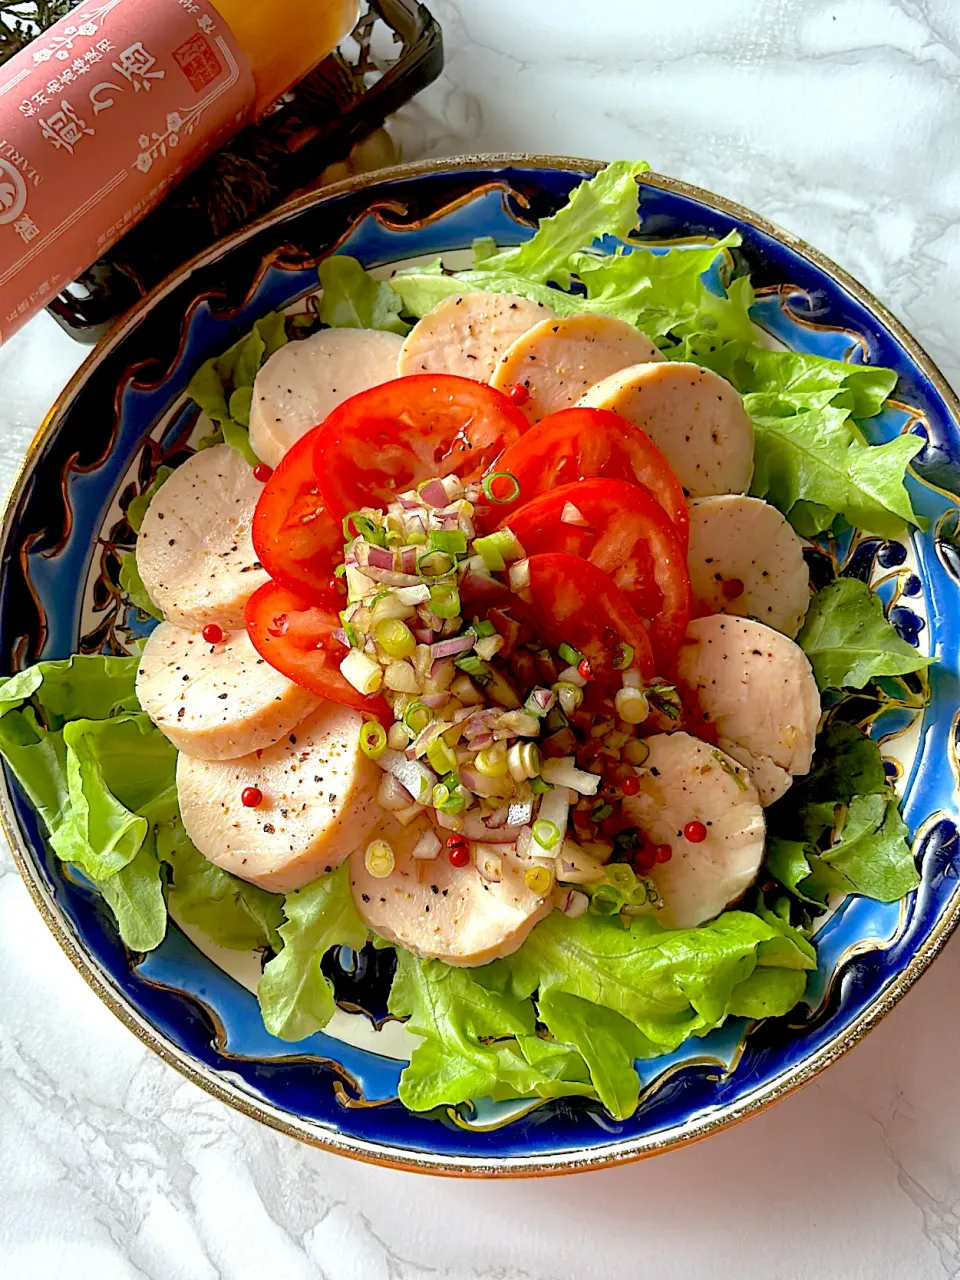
251, 797
262, 472
212, 633
695, 832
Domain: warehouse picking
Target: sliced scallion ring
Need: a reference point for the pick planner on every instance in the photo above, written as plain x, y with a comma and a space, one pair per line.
417, 716
507, 484
373, 739
622, 656
434, 564
546, 833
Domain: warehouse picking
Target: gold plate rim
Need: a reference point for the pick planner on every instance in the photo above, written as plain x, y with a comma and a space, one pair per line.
420, 1161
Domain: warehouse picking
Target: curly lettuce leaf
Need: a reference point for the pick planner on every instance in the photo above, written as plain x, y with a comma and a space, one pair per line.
296, 999
849, 641
816, 457
137, 507
478, 1038
231, 912
121, 778
135, 896
354, 299
223, 385
839, 829
132, 585
608, 1043
605, 205
83, 687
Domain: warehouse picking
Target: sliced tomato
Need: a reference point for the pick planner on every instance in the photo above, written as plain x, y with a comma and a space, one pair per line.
629, 536
578, 444
296, 539
390, 438
296, 636
571, 601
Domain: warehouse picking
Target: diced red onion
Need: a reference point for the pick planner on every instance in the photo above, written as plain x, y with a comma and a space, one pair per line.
449, 821
415, 777
413, 595
390, 578
392, 795
379, 557
427, 847
524, 841
449, 648
450, 521
544, 698
480, 784
489, 863
497, 819
508, 628
475, 828
434, 494
408, 564
423, 634
406, 816
408, 504
434, 700
481, 741
574, 903
341, 636
572, 515
481, 587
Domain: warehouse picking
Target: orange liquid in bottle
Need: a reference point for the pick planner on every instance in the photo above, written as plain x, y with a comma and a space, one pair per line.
284, 39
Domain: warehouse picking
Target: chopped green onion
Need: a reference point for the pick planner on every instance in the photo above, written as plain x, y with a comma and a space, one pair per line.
508, 485
539, 787
394, 538
621, 877
340, 570
439, 795
524, 761
498, 548
534, 706
570, 696
452, 541
352, 635
365, 528
622, 656
556, 720
539, 880
417, 716
395, 638
482, 628
455, 802
445, 600
632, 705
569, 654
546, 833
729, 768
492, 762
665, 699
434, 563
373, 739
601, 812
475, 667
442, 758
379, 859
362, 672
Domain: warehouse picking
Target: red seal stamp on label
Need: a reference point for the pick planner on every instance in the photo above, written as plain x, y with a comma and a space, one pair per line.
198, 62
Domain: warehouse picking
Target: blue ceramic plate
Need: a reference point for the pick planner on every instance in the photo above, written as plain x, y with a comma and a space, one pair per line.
124, 414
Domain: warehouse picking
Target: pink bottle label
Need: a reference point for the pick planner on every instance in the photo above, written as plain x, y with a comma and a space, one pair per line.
99, 117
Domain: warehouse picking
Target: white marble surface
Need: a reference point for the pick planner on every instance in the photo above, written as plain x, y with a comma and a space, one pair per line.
839, 121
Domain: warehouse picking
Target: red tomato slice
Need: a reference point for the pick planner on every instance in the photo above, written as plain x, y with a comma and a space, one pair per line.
296, 636
570, 600
296, 539
629, 537
577, 444
390, 438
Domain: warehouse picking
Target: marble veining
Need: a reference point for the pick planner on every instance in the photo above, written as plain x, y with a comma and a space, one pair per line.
839, 121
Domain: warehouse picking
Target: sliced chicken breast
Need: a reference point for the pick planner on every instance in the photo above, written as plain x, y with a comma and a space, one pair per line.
319, 803
745, 559
216, 701
443, 912
304, 381
558, 360
686, 780
756, 688
468, 334
194, 551
693, 416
